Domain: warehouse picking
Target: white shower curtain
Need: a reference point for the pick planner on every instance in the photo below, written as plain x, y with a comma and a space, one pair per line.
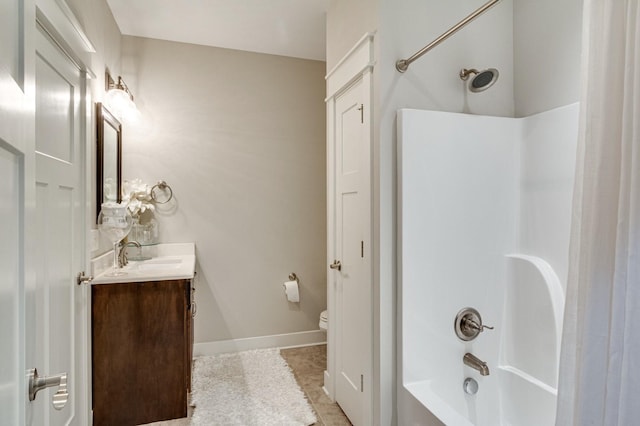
600, 362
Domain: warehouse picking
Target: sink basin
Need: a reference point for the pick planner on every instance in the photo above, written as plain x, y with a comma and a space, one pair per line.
158, 263
169, 262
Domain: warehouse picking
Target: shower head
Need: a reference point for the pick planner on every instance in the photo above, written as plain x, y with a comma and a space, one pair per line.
482, 80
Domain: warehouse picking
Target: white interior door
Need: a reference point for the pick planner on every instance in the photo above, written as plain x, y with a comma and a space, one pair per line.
60, 303
16, 173
352, 324
11, 283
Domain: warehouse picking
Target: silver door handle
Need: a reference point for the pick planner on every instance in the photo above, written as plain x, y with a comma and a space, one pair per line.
37, 383
81, 278
336, 265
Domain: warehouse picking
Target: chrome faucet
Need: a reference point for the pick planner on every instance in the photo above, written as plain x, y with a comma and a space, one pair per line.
122, 255
476, 363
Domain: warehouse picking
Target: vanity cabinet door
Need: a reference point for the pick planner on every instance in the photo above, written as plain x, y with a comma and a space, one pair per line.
140, 351
191, 311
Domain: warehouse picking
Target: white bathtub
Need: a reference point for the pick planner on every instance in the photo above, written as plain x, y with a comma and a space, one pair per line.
484, 223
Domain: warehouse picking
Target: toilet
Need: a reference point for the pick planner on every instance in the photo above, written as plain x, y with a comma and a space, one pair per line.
323, 320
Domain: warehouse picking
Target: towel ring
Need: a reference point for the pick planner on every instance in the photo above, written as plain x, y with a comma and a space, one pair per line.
164, 187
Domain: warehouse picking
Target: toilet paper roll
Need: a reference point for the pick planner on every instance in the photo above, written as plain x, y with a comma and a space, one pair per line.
291, 290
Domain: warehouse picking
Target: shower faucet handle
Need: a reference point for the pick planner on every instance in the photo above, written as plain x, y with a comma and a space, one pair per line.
468, 324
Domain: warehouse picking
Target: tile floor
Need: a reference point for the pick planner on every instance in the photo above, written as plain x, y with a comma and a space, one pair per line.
308, 364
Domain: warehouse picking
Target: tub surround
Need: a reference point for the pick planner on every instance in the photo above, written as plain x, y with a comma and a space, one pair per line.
485, 206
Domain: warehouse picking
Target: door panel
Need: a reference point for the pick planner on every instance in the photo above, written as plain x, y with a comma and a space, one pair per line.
350, 338
353, 316
54, 118
60, 228
16, 168
11, 50
10, 306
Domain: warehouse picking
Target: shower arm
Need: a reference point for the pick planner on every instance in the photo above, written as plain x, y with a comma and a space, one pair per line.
403, 64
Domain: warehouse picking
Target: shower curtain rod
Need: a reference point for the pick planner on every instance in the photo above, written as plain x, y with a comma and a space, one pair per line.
403, 64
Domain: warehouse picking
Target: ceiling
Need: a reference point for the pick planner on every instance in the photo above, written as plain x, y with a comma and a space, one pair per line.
279, 27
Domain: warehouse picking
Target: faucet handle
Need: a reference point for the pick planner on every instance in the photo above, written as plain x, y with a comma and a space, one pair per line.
468, 324
467, 321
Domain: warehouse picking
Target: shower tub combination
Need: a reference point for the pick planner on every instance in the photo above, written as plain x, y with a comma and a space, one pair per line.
484, 220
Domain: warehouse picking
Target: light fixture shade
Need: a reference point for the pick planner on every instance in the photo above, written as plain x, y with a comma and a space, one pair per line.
120, 100
120, 103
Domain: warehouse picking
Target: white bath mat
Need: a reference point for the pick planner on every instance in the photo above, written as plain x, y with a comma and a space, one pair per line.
251, 388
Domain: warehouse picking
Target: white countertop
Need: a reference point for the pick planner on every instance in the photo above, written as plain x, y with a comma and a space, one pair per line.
168, 262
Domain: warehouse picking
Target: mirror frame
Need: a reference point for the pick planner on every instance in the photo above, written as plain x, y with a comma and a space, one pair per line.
105, 118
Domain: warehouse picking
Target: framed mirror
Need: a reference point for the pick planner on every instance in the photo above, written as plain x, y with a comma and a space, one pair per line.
109, 155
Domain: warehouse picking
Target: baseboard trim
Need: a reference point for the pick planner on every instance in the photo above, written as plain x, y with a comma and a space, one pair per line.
290, 340
327, 385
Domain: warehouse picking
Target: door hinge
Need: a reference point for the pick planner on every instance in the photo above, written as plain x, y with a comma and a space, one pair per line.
361, 109
362, 249
361, 383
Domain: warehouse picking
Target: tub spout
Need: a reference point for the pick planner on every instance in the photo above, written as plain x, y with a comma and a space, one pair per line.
476, 363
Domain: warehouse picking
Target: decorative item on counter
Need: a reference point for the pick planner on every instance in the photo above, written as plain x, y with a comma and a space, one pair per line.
137, 196
141, 204
114, 222
144, 234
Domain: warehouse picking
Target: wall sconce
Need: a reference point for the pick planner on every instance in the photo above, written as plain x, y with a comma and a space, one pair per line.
119, 98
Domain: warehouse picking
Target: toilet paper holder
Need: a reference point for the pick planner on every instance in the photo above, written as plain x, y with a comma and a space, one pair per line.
291, 288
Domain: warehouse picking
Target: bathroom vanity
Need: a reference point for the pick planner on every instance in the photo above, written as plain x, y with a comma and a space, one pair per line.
142, 339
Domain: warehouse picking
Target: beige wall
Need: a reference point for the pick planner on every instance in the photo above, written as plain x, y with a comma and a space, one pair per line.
347, 22
547, 45
240, 137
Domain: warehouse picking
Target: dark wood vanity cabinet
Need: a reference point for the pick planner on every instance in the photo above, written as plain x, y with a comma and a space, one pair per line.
141, 351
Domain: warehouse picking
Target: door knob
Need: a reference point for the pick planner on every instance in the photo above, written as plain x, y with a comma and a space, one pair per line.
81, 278
336, 265
37, 383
